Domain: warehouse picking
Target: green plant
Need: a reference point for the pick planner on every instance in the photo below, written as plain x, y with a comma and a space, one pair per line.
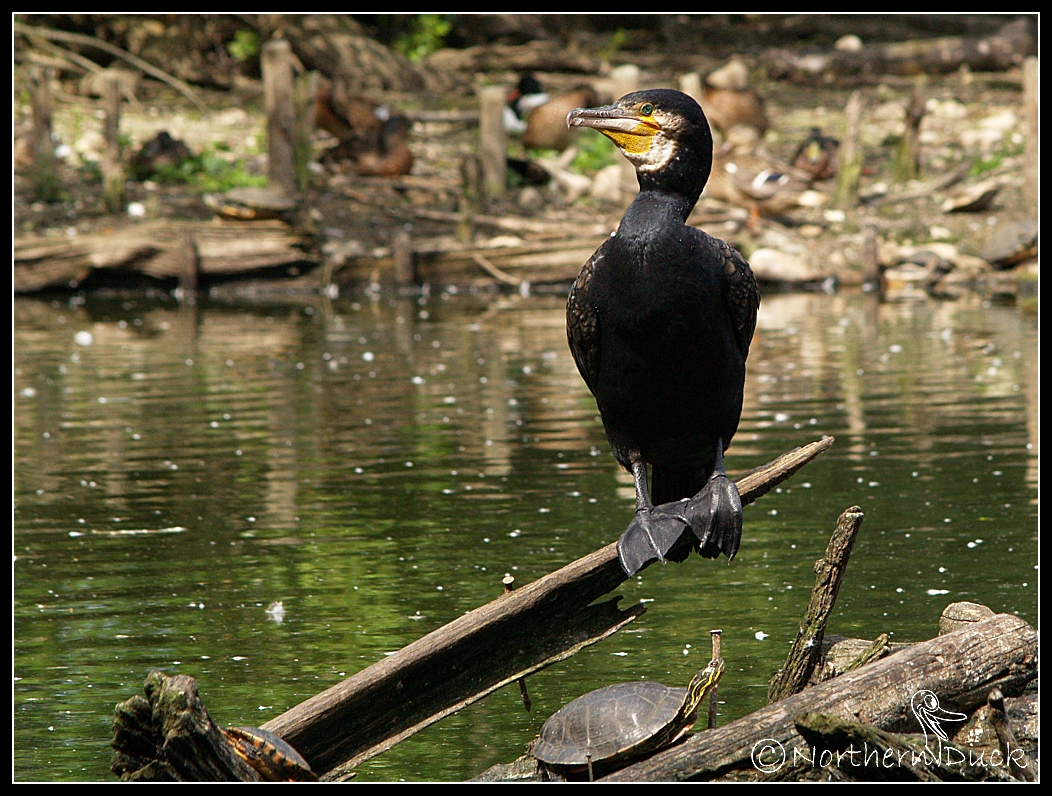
209, 172
595, 152
427, 35
245, 45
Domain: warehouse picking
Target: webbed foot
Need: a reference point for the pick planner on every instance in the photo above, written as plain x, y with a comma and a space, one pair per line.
652, 535
715, 516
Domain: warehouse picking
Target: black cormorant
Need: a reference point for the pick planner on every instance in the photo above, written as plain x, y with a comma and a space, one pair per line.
659, 323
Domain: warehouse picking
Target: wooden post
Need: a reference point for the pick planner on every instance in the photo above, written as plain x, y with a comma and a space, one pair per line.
717, 653
872, 275
907, 156
305, 95
112, 171
625, 80
470, 192
44, 172
402, 252
1031, 82
493, 140
278, 101
850, 156
690, 84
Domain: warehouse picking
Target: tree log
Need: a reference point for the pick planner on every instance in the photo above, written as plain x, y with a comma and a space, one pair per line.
961, 667
158, 249
995, 53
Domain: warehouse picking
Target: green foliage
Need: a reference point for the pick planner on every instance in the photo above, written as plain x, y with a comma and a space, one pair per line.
595, 152
245, 45
617, 41
210, 173
427, 35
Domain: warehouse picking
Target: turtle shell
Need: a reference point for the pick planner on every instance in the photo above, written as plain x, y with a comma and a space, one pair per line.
270, 756
615, 721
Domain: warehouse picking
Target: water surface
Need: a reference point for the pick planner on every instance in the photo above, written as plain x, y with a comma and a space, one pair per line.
378, 464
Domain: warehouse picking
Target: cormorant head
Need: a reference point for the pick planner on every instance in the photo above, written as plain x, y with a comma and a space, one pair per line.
662, 132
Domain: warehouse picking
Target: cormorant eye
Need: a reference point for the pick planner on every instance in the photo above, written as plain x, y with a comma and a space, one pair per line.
647, 109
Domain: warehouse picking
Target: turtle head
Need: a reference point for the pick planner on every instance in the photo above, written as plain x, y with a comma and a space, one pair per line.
703, 682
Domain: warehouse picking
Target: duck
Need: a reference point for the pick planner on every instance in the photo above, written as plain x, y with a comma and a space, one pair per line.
729, 101
817, 155
372, 137
745, 176
527, 95
659, 323
546, 126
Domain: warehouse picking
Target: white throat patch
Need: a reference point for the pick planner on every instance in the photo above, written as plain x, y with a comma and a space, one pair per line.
661, 153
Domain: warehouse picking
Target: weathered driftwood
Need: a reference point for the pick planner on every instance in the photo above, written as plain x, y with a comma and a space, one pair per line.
155, 248
806, 650
496, 644
962, 667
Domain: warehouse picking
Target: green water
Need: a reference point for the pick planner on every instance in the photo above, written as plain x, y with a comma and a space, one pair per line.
378, 464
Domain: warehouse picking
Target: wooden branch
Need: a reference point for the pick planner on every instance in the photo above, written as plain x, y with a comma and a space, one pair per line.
806, 651
496, 644
961, 667
138, 63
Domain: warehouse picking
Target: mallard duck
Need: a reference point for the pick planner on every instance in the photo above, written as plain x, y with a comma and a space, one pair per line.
546, 126
817, 155
160, 152
729, 101
744, 175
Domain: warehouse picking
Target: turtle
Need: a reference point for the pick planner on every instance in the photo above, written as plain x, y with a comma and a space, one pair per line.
248, 203
605, 728
269, 755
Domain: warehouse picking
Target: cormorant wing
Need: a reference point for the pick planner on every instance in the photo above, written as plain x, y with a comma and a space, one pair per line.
741, 297
582, 323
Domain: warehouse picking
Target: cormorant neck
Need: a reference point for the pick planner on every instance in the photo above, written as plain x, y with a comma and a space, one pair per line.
683, 177
675, 205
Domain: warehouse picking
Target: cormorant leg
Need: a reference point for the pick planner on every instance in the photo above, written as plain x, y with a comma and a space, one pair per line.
715, 513
653, 531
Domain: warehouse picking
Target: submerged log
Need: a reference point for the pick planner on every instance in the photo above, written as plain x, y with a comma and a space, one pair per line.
518, 633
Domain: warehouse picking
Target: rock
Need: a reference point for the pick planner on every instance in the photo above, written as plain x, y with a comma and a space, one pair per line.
772, 265
1010, 244
973, 198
